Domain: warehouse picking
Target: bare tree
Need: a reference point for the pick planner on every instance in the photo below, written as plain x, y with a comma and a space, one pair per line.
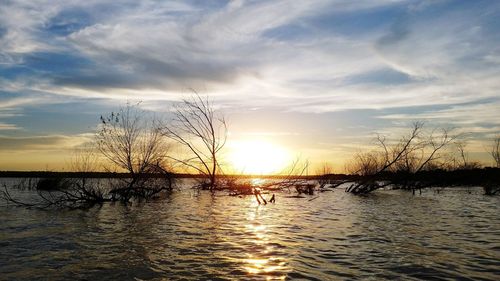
198, 127
84, 159
133, 143
391, 157
323, 173
364, 164
495, 151
325, 169
464, 160
413, 153
129, 142
464, 156
416, 151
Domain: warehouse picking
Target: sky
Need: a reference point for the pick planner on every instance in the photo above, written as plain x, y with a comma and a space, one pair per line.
315, 78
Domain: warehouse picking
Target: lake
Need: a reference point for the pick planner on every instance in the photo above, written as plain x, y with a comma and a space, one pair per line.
192, 235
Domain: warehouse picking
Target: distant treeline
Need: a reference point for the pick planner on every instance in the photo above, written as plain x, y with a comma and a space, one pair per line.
441, 178
465, 177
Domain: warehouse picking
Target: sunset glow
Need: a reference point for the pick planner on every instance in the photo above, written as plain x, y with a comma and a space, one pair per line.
258, 157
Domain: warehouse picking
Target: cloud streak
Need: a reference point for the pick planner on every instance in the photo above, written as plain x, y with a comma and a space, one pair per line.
42, 143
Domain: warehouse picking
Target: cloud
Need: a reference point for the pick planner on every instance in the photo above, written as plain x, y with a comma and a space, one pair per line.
171, 46
476, 123
5, 126
13, 103
452, 48
9, 108
480, 119
42, 143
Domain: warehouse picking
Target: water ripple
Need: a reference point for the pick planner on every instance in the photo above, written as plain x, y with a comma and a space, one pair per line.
453, 235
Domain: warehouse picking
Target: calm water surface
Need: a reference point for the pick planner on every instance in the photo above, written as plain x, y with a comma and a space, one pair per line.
193, 235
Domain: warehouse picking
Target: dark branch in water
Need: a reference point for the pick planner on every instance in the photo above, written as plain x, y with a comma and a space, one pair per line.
58, 193
129, 143
418, 160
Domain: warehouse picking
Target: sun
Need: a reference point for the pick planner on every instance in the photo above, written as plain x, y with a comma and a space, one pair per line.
258, 157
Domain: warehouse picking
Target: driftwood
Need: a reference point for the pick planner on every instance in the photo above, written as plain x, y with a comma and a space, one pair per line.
85, 192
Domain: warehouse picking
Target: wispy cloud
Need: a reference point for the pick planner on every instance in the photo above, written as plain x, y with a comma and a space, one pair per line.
43, 143
171, 46
5, 126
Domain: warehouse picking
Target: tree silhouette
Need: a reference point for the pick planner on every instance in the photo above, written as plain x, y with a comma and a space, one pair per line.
413, 153
134, 143
495, 151
198, 127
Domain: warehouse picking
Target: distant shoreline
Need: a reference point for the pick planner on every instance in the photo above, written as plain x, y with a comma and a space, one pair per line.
467, 177
50, 174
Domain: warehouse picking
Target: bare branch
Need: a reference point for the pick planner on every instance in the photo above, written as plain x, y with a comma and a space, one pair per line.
202, 131
495, 151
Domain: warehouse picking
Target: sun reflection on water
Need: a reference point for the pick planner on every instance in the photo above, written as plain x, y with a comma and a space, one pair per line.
257, 181
263, 259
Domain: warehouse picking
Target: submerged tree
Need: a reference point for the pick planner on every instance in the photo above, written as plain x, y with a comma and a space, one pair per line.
413, 153
133, 143
202, 130
58, 192
128, 140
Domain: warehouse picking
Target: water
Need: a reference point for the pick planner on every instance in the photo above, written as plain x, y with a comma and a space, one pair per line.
192, 235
